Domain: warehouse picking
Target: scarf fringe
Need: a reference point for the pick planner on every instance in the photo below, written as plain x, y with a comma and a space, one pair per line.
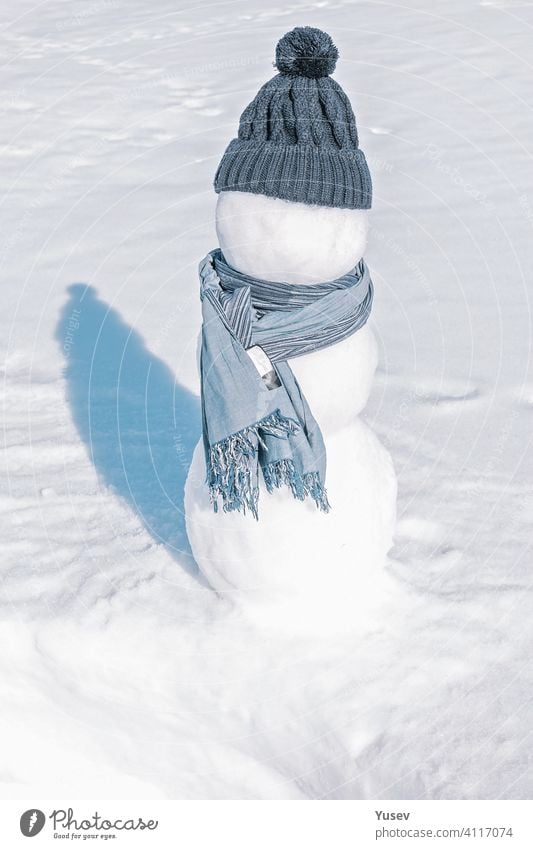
232, 463
283, 473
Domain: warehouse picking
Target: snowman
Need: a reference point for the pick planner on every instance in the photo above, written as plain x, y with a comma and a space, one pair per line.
290, 497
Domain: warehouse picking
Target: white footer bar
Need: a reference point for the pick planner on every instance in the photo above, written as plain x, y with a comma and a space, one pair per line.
267, 824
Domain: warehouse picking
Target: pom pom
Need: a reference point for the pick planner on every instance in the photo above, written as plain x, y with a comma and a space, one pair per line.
306, 52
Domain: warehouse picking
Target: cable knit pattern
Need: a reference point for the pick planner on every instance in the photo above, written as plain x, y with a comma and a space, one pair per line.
298, 137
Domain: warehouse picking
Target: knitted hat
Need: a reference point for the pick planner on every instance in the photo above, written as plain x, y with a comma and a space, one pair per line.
297, 138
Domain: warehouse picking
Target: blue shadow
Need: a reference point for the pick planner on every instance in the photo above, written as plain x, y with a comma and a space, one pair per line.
139, 425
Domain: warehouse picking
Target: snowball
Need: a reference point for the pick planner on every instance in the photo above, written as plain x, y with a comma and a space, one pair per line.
279, 240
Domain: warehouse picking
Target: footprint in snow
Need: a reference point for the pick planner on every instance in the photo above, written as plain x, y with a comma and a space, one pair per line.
448, 394
524, 395
418, 528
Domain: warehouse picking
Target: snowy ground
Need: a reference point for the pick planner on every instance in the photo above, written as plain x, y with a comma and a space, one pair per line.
122, 675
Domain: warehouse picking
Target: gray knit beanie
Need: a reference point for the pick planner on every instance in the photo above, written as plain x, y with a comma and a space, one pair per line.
297, 138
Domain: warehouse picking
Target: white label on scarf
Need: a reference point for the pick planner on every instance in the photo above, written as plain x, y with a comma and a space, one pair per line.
263, 366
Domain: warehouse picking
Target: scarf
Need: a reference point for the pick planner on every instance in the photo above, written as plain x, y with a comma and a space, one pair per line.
249, 420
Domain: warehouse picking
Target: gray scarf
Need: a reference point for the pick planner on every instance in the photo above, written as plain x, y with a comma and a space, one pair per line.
250, 420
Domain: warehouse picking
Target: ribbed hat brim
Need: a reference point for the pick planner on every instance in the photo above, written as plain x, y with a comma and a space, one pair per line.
301, 173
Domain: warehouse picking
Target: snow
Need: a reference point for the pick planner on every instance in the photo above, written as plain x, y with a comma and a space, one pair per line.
123, 675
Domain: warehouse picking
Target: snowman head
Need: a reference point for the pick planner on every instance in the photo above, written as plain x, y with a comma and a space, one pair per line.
294, 186
284, 241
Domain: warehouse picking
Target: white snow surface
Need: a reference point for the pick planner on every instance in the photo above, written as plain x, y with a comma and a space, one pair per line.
123, 674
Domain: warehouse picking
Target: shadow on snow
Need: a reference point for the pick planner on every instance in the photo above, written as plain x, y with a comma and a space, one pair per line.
139, 425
